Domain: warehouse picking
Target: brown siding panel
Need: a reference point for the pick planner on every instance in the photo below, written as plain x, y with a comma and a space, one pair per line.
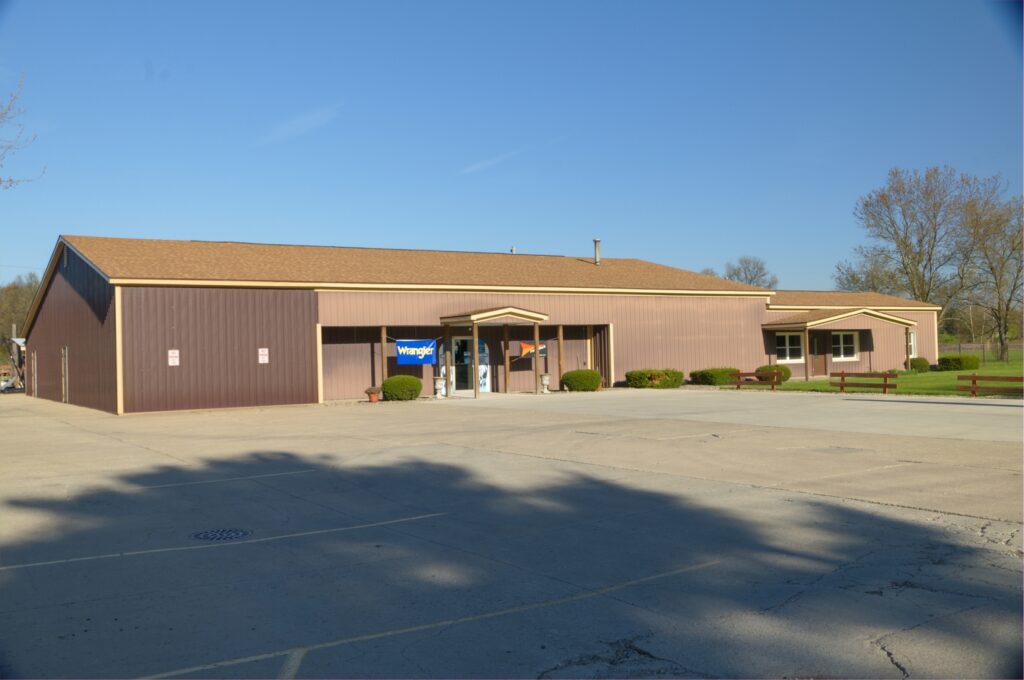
218, 332
77, 312
685, 333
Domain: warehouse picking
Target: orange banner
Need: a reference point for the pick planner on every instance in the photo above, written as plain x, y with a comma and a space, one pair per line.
528, 348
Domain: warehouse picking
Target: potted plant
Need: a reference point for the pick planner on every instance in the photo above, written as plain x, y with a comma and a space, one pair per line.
373, 393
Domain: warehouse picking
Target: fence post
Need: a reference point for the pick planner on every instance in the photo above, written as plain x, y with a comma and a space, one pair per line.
885, 383
842, 382
974, 384
739, 381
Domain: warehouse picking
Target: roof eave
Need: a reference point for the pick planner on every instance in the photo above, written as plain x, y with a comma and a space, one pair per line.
48, 273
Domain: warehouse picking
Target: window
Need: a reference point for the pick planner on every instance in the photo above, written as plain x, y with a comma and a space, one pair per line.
844, 346
912, 344
788, 347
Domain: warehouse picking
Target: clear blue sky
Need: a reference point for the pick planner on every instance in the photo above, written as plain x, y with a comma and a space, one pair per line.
687, 133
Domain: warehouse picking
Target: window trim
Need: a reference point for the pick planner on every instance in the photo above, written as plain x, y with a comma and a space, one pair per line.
800, 344
856, 346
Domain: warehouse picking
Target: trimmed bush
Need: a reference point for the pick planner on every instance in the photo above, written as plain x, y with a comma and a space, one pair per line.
583, 380
783, 371
958, 362
713, 376
666, 378
402, 387
919, 365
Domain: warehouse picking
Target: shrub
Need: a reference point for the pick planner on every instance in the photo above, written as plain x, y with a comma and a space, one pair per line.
672, 379
402, 387
919, 365
783, 371
666, 378
958, 362
583, 380
713, 376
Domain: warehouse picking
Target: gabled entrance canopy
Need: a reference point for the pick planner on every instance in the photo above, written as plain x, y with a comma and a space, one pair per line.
500, 316
824, 317
495, 317
827, 318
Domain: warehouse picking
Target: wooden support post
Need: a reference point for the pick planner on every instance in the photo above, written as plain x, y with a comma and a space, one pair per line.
449, 370
611, 355
383, 354
807, 355
537, 358
476, 361
561, 354
590, 347
319, 364
508, 360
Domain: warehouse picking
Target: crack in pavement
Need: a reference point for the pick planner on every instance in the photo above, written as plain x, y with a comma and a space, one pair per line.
624, 652
892, 659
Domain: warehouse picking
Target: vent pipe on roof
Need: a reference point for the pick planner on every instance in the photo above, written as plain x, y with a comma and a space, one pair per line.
513, 251
597, 251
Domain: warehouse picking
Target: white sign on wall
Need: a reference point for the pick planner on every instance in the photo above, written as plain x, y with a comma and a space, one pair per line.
173, 357
264, 355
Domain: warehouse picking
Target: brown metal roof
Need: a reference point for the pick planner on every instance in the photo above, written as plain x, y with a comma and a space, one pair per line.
821, 317
145, 259
842, 298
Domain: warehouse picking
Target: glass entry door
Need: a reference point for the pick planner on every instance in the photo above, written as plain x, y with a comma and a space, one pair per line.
462, 357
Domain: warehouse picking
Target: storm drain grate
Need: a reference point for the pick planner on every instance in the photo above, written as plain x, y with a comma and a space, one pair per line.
221, 534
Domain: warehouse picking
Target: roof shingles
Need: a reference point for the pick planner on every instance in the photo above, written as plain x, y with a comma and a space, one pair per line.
145, 259
842, 298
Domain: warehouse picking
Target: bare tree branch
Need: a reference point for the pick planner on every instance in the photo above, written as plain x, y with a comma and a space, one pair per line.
12, 134
752, 271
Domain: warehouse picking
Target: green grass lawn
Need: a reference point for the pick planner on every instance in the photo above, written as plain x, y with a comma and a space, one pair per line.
933, 382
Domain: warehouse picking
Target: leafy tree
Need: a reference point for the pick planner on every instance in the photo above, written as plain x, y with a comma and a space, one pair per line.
872, 272
15, 298
995, 230
945, 238
752, 271
918, 244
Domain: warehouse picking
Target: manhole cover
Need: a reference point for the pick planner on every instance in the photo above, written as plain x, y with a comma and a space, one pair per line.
220, 534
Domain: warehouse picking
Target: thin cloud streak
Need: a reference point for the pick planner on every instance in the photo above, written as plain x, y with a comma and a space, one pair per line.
490, 162
299, 125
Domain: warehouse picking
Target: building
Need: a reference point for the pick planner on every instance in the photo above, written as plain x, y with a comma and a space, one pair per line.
131, 325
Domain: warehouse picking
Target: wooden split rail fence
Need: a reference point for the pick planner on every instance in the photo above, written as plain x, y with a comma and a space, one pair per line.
974, 387
885, 385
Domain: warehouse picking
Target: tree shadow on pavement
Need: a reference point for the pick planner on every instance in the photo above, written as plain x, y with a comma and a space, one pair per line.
419, 569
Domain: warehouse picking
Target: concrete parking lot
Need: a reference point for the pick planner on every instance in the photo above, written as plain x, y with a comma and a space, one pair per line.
618, 534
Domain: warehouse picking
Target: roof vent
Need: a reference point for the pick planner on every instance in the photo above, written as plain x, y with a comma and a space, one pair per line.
597, 251
513, 251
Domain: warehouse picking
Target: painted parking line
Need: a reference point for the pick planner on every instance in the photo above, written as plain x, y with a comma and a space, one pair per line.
229, 479
294, 655
281, 537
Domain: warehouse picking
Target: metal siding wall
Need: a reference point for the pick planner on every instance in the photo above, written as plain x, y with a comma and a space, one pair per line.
685, 333
882, 345
927, 333
218, 332
352, 356
77, 312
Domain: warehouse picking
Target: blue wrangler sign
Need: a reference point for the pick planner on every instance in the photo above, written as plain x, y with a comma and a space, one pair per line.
416, 351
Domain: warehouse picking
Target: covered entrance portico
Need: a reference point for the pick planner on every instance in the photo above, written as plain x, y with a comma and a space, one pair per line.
503, 317
820, 342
